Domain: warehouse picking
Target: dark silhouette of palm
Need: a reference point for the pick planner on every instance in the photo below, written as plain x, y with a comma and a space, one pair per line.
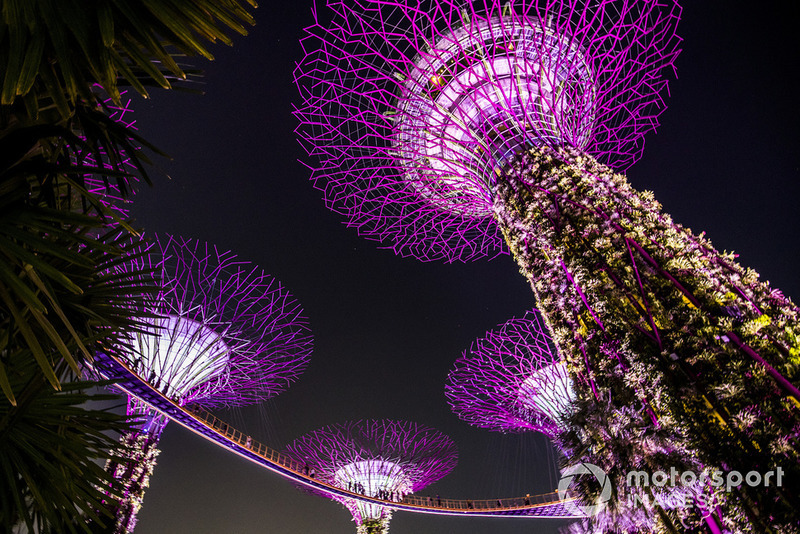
65, 164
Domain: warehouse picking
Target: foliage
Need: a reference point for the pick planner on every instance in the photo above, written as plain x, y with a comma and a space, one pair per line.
140, 451
56, 50
64, 160
60, 246
50, 438
53, 452
680, 357
373, 526
59, 242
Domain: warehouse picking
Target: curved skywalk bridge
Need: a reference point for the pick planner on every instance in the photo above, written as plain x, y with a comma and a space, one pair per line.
214, 429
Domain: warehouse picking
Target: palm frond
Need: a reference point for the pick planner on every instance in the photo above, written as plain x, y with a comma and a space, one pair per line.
59, 49
54, 446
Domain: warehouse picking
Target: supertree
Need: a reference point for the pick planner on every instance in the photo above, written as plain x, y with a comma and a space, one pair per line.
442, 126
222, 333
512, 380
380, 458
412, 109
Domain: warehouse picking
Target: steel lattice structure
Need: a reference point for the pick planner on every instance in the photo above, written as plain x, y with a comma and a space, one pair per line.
412, 108
231, 309
441, 126
223, 333
512, 380
108, 191
375, 457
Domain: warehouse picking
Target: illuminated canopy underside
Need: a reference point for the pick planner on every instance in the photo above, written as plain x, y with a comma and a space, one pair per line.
482, 94
407, 107
390, 456
373, 476
225, 332
512, 380
184, 355
548, 390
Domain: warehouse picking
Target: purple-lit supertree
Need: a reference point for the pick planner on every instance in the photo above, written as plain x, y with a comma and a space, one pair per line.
441, 126
379, 458
413, 109
512, 380
223, 333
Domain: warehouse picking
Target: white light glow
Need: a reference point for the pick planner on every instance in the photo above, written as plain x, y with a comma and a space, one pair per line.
181, 355
482, 94
371, 477
549, 391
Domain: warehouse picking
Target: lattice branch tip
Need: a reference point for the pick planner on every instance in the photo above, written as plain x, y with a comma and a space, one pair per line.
412, 108
226, 334
512, 380
380, 458
112, 193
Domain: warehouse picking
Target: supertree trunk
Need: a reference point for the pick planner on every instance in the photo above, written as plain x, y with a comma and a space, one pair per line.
681, 358
374, 526
135, 471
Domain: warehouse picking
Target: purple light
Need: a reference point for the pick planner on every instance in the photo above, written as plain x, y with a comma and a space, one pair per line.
109, 192
512, 380
385, 459
224, 334
228, 334
411, 110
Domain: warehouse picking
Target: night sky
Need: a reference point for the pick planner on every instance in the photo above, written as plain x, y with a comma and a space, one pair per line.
387, 329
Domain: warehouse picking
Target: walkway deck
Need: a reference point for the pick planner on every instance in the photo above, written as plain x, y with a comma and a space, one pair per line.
205, 424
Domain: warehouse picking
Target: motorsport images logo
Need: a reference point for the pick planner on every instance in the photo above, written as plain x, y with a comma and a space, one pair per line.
584, 469
661, 479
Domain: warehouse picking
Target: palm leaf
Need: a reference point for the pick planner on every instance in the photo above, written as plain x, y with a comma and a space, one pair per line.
52, 444
62, 156
58, 49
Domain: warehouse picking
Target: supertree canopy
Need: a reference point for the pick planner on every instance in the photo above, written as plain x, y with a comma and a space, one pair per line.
223, 333
412, 108
379, 458
441, 126
512, 380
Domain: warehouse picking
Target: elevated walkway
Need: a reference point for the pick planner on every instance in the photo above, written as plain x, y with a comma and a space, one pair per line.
210, 427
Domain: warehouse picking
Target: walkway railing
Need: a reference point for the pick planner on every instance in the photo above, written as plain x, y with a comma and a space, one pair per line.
215, 429
246, 442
